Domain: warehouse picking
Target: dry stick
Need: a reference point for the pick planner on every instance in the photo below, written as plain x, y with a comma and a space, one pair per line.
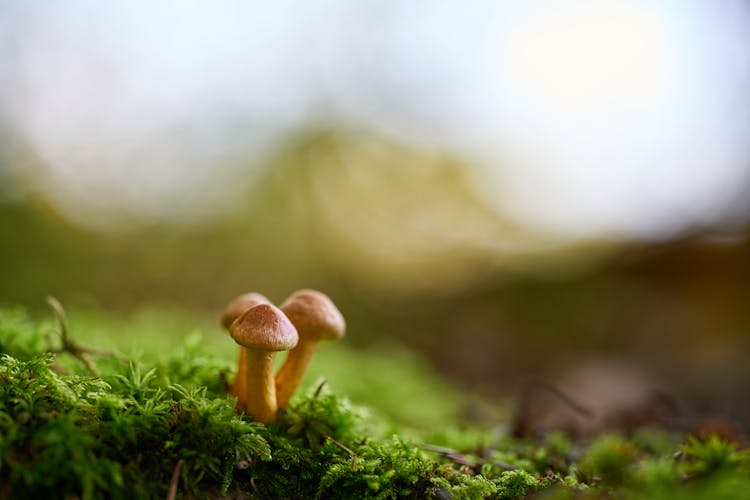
80, 352
485, 454
255, 488
523, 406
459, 459
172, 493
566, 398
320, 388
343, 447
503, 465
452, 455
315, 395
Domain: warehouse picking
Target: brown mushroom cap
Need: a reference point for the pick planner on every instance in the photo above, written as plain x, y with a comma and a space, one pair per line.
314, 315
264, 327
239, 305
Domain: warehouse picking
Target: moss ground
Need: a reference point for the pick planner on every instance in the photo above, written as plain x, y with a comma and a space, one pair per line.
157, 422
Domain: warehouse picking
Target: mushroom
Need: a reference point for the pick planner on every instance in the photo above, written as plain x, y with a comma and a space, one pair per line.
233, 311
316, 318
241, 304
262, 330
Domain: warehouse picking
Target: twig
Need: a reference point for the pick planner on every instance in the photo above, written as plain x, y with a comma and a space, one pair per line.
519, 426
503, 465
60, 316
255, 488
172, 493
456, 457
320, 388
452, 455
343, 447
340, 445
565, 398
80, 352
436, 449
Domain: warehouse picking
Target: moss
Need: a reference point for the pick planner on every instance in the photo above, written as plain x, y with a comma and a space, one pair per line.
75, 435
609, 460
141, 421
711, 455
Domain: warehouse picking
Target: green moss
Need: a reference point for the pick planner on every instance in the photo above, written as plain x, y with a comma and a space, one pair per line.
609, 460
163, 412
711, 455
77, 435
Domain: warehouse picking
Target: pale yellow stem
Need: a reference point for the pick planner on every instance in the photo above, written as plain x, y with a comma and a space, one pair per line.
238, 386
294, 368
260, 389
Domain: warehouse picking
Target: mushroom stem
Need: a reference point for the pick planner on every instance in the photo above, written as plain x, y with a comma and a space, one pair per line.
294, 368
233, 311
238, 386
260, 391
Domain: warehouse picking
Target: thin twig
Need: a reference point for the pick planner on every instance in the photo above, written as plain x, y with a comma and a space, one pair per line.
343, 447
519, 426
459, 459
255, 488
80, 352
503, 465
340, 445
60, 316
320, 388
172, 493
436, 449
565, 398
452, 455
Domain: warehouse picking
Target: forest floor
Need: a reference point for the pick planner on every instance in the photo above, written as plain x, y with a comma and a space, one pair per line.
110, 408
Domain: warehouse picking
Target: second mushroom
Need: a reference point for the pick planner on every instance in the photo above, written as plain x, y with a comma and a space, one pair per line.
316, 318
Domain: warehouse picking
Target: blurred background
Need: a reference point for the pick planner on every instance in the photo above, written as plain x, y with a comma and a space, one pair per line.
537, 190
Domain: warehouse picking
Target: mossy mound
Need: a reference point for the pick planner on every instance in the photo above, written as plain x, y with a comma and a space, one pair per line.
161, 423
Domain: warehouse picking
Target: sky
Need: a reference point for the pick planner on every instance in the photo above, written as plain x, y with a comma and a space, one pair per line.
581, 118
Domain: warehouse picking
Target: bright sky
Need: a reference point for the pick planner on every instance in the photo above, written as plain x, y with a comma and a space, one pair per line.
583, 117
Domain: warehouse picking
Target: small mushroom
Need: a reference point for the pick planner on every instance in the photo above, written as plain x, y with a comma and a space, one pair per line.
316, 318
262, 330
233, 311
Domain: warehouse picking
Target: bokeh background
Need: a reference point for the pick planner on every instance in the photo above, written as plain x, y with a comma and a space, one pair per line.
537, 190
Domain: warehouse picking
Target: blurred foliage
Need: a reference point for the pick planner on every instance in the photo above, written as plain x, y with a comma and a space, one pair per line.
330, 208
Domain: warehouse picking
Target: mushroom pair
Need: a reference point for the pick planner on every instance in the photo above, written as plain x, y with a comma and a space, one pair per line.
261, 330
